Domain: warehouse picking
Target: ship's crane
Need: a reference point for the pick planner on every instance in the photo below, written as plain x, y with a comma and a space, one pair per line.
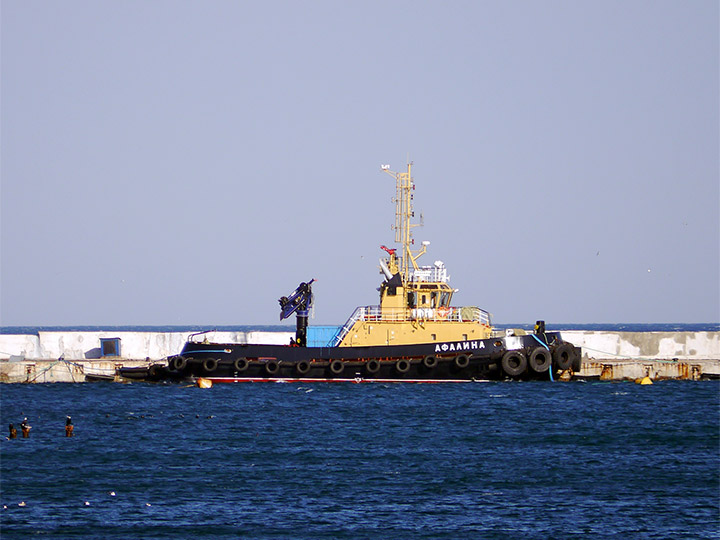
298, 302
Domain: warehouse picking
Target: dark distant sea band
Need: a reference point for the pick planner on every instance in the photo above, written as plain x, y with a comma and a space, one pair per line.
588, 327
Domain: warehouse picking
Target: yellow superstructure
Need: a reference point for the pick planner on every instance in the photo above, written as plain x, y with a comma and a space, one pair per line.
415, 301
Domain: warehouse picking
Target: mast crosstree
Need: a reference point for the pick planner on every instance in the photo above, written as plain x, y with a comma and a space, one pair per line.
404, 187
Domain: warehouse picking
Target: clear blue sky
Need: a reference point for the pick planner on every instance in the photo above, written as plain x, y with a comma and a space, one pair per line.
175, 162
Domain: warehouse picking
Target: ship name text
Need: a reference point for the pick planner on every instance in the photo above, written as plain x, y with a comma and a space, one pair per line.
463, 346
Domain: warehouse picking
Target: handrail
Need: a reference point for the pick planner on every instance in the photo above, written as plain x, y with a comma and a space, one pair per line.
191, 336
375, 313
340, 334
455, 314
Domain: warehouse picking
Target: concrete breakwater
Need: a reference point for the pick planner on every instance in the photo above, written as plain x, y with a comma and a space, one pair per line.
658, 355
74, 356
70, 356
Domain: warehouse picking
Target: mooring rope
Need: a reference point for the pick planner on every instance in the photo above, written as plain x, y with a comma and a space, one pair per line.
45, 370
548, 348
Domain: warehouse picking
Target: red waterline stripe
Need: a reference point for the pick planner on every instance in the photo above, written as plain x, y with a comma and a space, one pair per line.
357, 380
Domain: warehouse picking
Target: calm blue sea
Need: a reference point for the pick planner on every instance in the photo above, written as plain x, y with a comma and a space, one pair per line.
502, 460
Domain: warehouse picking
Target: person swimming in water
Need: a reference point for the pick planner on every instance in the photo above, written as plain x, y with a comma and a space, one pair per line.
25, 427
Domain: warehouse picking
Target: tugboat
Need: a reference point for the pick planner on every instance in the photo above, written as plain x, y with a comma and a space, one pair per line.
415, 334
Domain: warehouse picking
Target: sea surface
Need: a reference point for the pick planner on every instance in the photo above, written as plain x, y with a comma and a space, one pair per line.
499, 460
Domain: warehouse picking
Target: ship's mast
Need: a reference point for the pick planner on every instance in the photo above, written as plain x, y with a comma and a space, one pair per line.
404, 186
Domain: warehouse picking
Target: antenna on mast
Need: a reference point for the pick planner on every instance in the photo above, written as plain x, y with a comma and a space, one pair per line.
404, 186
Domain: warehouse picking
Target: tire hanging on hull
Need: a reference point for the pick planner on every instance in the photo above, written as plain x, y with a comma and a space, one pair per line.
337, 366
303, 367
430, 362
514, 363
372, 366
577, 361
462, 361
402, 366
272, 367
241, 364
563, 356
540, 360
210, 364
179, 363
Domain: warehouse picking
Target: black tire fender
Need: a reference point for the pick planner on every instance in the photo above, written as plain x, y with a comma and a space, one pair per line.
462, 361
430, 362
563, 356
540, 360
302, 367
179, 363
210, 364
402, 365
577, 360
372, 366
241, 364
337, 366
514, 363
272, 367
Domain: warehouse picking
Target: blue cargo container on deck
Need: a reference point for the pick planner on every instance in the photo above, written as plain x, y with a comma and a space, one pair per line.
320, 336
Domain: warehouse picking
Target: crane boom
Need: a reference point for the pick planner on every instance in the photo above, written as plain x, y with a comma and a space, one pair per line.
298, 302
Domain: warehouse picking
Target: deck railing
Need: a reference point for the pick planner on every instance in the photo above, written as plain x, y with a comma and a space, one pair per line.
374, 313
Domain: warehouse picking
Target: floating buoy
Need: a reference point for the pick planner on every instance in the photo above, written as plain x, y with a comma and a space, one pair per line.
644, 380
204, 383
